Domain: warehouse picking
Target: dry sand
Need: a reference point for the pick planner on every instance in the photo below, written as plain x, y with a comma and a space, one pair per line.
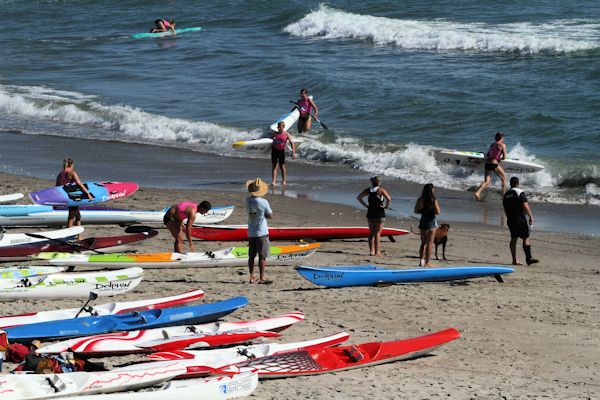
536, 335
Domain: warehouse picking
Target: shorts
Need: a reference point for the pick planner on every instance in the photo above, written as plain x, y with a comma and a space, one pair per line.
169, 218
491, 166
519, 229
277, 156
259, 245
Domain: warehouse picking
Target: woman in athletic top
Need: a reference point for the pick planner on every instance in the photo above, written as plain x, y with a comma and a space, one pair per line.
496, 153
280, 140
174, 217
306, 105
68, 176
163, 25
428, 207
375, 212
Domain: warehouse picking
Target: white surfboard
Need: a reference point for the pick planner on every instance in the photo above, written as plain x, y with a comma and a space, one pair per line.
15, 239
263, 145
67, 285
476, 159
11, 198
289, 119
109, 216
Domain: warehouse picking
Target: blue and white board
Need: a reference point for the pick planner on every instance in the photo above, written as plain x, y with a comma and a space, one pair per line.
168, 33
15, 210
289, 119
11, 198
370, 275
475, 159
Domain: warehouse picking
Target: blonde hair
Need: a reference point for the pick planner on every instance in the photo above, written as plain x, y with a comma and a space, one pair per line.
67, 162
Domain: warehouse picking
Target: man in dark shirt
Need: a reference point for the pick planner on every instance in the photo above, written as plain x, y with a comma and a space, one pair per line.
517, 211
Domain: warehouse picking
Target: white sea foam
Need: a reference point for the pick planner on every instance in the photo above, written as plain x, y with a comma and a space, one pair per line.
558, 36
122, 122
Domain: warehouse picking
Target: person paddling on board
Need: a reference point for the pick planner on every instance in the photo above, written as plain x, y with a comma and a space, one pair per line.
375, 212
174, 217
68, 176
280, 140
305, 106
496, 153
163, 25
518, 214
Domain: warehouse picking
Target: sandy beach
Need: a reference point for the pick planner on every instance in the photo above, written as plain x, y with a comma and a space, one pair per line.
533, 336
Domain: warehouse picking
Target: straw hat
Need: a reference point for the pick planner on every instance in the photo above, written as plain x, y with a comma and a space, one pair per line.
257, 187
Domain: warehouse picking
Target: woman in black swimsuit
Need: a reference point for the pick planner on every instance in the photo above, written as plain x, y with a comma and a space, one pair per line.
375, 212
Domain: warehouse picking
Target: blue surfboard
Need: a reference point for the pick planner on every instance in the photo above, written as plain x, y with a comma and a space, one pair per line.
20, 210
370, 275
95, 325
168, 33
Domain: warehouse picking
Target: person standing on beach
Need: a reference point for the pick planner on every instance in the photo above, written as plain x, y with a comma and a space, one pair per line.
280, 140
428, 206
375, 212
496, 153
68, 176
259, 211
174, 217
517, 212
305, 106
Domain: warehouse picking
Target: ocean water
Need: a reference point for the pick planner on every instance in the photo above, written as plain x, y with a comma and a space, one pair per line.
395, 81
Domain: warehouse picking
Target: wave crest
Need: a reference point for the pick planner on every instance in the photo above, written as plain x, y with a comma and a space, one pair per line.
559, 36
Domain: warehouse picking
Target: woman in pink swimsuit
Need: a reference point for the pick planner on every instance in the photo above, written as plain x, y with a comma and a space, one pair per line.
175, 216
280, 140
163, 25
306, 105
496, 153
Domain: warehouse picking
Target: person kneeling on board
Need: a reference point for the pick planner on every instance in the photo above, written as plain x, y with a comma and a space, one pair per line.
174, 217
280, 140
516, 208
163, 25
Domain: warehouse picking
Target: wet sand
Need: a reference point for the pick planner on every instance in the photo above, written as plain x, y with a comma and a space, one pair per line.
535, 335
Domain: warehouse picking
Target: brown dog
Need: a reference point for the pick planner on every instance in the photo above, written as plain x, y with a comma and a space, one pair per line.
441, 238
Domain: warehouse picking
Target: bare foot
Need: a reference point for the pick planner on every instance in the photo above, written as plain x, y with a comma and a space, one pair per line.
477, 198
284, 183
273, 184
428, 266
252, 280
379, 255
517, 263
371, 254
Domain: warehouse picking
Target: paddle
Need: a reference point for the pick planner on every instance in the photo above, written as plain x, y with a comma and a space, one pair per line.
312, 115
71, 244
92, 296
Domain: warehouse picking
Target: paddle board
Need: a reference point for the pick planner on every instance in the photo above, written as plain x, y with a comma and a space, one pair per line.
212, 388
342, 358
101, 309
168, 33
24, 272
14, 239
12, 210
107, 216
224, 233
370, 275
135, 341
70, 195
263, 145
85, 246
233, 256
65, 285
289, 119
11, 198
475, 159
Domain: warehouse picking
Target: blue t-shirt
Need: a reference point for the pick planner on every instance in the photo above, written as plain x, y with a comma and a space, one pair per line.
257, 208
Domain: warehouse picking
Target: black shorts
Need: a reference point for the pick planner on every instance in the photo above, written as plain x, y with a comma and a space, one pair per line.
169, 218
259, 245
491, 166
519, 229
277, 156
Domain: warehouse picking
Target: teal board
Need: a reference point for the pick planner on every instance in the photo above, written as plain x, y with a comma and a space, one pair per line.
169, 33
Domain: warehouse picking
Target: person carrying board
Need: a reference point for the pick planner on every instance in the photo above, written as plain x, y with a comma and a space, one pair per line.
68, 176
305, 106
496, 153
175, 216
280, 140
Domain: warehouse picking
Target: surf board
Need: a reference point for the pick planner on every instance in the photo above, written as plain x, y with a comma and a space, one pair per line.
71, 195
11, 198
168, 33
476, 159
16, 210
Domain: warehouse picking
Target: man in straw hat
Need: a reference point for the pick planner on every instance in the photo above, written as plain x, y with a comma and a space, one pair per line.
258, 231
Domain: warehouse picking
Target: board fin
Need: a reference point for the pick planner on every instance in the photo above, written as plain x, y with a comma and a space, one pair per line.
499, 278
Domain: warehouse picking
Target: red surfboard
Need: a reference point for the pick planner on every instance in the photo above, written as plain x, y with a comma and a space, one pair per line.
238, 233
205, 340
332, 359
